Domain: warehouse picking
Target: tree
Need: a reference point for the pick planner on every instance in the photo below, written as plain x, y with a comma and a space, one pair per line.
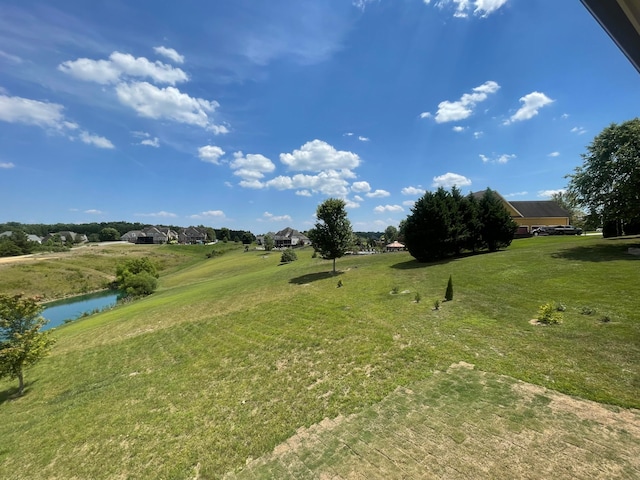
225, 234
498, 227
390, 234
269, 242
448, 295
288, 256
137, 276
331, 235
567, 201
608, 182
109, 234
21, 341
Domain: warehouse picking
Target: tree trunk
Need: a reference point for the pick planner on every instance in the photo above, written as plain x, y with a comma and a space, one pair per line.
20, 384
334, 265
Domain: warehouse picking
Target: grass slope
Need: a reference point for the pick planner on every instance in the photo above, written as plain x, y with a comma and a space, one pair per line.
233, 354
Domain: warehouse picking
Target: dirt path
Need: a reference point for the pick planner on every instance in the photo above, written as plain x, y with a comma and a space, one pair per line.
463, 424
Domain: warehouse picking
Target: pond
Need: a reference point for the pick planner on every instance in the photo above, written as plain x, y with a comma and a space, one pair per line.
75, 307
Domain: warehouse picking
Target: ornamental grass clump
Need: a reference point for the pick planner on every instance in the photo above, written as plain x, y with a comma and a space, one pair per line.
548, 314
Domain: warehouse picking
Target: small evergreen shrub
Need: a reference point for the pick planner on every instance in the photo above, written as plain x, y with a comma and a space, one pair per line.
549, 315
605, 319
587, 311
448, 296
417, 297
436, 305
288, 256
340, 284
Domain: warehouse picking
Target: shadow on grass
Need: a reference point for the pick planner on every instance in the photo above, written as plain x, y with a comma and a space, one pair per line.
597, 253
12, 393
312, 277
412, 264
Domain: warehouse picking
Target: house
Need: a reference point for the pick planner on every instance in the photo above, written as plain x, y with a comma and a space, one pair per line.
395, 247
132, 236
30, 237
67, 236
290, 238
192, 235
158, 236
530, 214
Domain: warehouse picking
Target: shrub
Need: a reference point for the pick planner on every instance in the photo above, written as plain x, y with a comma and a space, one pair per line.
288, 256
587, 311
417, 297
395, 290
549, 315
561, 307
448, 296
137, 276
340, 284
436, 305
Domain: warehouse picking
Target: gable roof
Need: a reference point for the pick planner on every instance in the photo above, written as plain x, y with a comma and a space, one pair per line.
539, 208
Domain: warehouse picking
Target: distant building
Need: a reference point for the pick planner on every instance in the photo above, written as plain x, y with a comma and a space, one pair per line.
290, 238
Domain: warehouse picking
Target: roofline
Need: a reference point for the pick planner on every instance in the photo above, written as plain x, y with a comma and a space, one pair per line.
621, 20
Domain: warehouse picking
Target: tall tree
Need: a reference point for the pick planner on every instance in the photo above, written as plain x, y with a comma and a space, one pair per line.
21, 341
109, 234
390, 234
498, 227
608, 182
331, 235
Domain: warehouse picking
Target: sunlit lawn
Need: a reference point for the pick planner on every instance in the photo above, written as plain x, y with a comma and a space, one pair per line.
235, 353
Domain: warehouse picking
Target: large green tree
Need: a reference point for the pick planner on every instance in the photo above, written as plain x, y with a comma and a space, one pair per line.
390, 234
109, 234
331, 235
137, 277
608, 182
21, 341
497, 226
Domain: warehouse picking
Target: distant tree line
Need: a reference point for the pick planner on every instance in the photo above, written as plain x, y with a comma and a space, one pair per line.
444, 224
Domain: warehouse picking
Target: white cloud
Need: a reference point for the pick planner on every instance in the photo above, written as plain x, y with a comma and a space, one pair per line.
329, 182
348, 134
160, 214
409, 203
550, 193
217, 214
358, 198
378, 194
251, 166
564, 115
10, 58
360, 187
151, 142
122, 65
93, 211
463, 108
426, 115
388, 208
168, 103
412, 191
459, 129
210, 154
269, 217
363, 139
516, 194
579, 130
31, 112
449, 179
554, 154
480, 8
504, 158
95, 140
532, 103
303, 193
6, 165
351, 203
317, 155
170, 53
477, 135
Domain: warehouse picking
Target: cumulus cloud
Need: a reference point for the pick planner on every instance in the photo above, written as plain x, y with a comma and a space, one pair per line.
95, 140
46, 115
251, 166
426, 115
409, 203
554, 154
216, 214
388, 208
121, 65
449, 180
360, 187
516, 194
6, 165
167, 103
303, 193
269, 217
458, 129
317, 155
363, 139
478, 134
160, 214
329, 182
413, 191
502, 159
151, 142
531, 104
378, 194
358, 198
351, 203
463, 8
463, 108
550, 193
170, 53
210, 154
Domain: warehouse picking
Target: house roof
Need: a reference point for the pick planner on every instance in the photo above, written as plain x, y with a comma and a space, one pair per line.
539, 208
395, 244
289, 233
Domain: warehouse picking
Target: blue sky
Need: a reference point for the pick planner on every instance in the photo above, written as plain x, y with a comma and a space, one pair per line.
247, 114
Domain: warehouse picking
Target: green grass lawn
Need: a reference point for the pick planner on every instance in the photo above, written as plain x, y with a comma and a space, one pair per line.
233, 354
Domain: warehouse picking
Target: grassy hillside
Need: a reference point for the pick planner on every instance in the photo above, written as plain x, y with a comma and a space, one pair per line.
233, 354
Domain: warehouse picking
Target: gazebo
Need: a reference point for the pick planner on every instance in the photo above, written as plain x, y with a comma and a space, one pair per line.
395, 247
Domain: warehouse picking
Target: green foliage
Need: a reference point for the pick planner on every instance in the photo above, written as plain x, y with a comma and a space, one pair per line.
448, 296
340, 284
587, 311
137, 277
549, 315
109, 234
288, 255
395, 290
417, 297
16, 244
608, 181
21, 341
497, 226
390, 234
436, 304
269, 242
331, 235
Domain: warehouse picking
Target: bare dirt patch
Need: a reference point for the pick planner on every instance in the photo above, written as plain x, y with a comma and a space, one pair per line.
464, 423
